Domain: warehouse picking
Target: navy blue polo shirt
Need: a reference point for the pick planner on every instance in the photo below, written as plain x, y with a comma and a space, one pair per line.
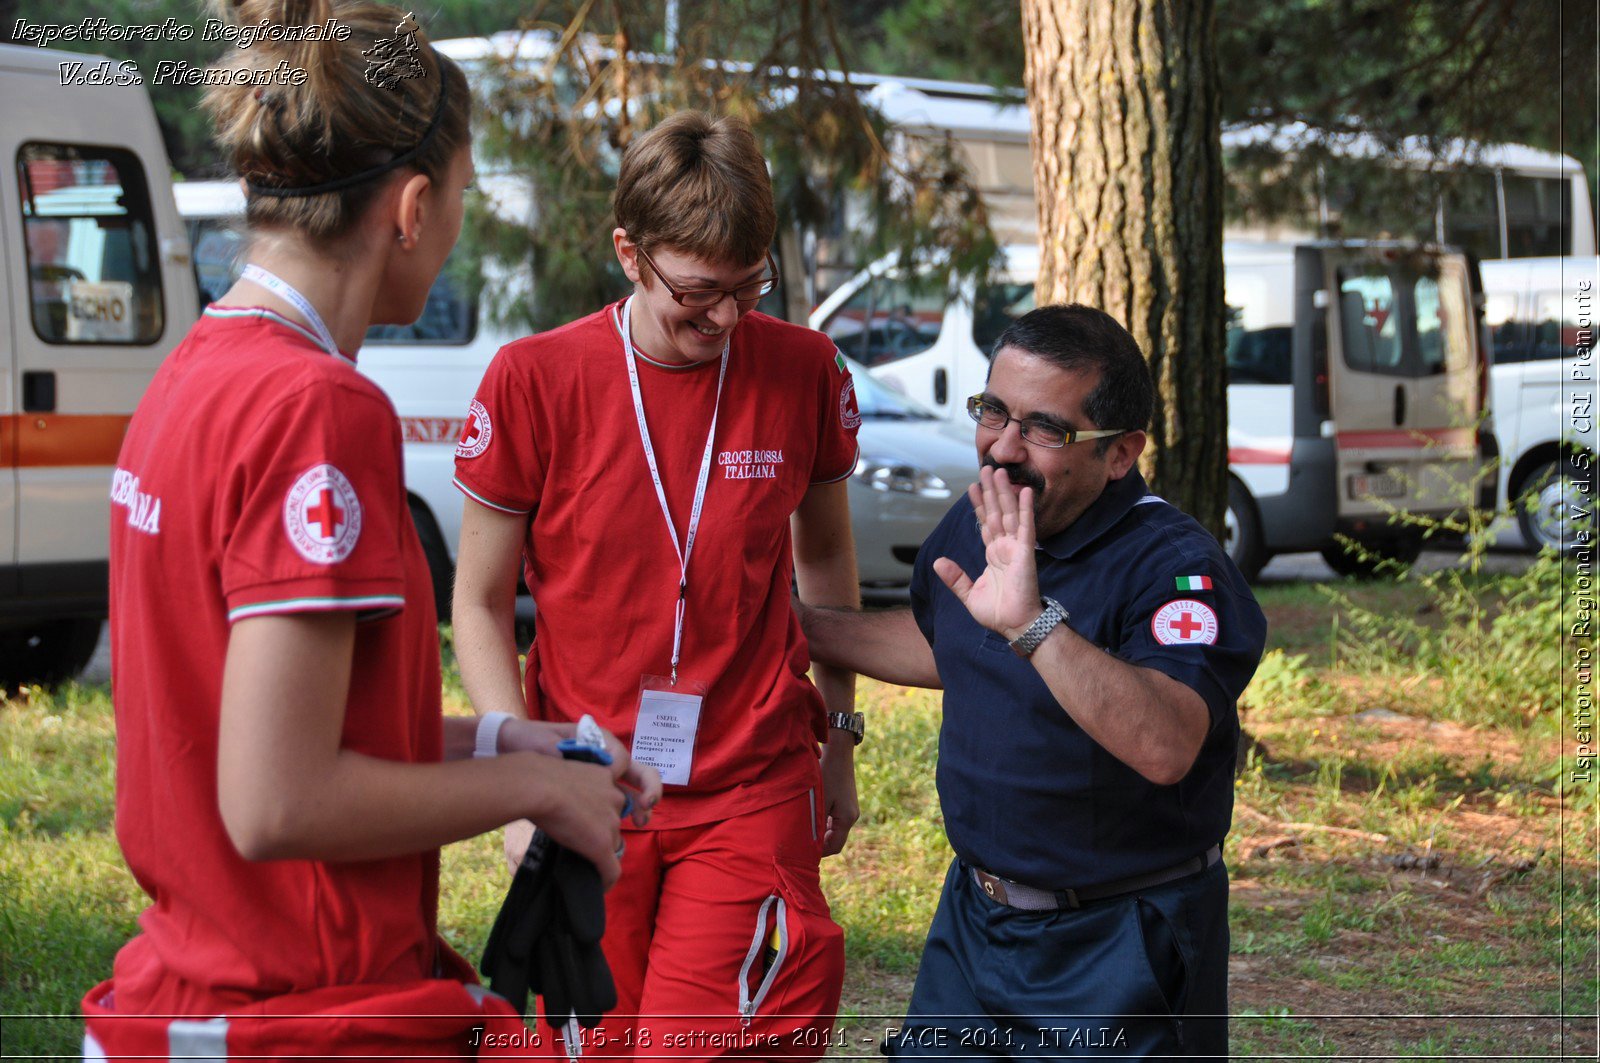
1026, 793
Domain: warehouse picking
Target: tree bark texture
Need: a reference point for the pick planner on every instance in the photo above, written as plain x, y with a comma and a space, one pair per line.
1127, 166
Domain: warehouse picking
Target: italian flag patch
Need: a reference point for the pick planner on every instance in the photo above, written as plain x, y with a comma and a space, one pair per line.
838, 359
1194, 583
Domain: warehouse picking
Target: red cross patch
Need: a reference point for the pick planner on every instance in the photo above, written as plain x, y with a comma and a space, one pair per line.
322, 515
1184, 621
849, 412
475, 433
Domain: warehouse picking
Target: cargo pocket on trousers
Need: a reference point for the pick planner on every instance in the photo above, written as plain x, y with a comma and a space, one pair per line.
1165, 959
795, 963
769, 948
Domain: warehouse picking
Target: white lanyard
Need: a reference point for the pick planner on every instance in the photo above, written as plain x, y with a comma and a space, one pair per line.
625, 326
285, 291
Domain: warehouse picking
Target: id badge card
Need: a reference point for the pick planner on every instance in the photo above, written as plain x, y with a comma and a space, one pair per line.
668, 722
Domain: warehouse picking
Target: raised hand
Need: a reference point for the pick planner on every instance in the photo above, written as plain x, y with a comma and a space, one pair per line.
1005, 596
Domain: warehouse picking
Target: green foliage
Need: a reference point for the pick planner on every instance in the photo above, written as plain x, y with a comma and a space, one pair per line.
954, 40
1486, 663
1284, 684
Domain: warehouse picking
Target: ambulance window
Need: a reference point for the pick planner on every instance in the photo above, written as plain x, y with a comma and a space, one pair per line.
1556, 332
218, 245
1260, 330
89, 232
450, 316
1370, 325
887, 320
1442, 343
995, 308
1536, 216
1508, 332
1472, 213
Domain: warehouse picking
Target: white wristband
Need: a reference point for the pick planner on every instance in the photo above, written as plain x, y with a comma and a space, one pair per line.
488, 740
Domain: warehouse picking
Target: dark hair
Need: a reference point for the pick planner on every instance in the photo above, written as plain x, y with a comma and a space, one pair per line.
698, 185
335, 127
1080, 338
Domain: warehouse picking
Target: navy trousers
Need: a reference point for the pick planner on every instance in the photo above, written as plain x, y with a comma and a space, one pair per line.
1143, 976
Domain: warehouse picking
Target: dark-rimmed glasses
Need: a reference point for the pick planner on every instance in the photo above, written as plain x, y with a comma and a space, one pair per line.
704, 297
1039, 433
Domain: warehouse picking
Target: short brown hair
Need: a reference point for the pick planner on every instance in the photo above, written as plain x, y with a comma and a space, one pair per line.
336, 123
699, 186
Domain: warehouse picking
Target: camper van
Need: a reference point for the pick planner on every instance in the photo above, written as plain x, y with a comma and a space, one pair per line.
98, 289
1540, 314
1357, 382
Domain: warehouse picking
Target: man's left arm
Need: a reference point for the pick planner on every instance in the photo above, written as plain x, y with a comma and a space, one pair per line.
825, 574
1151, 722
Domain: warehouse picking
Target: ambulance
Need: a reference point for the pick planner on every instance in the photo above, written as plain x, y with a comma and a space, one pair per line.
98, 288
1540, 315
1357, 383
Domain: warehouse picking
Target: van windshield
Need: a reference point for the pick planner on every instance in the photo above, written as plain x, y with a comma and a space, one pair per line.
876, 400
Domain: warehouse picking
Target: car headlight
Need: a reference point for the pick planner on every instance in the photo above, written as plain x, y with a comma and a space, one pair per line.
883, 474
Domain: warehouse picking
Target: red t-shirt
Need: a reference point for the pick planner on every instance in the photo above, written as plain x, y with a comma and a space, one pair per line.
553, 433
260, 475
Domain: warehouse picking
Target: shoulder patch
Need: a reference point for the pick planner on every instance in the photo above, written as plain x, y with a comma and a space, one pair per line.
475, 432
1184, 621
838, 359
1193, 583
849, 412
322, 515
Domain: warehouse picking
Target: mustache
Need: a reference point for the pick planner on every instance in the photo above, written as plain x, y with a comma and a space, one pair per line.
1020, 475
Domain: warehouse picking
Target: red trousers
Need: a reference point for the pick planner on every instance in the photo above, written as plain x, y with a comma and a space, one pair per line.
721, 942
429, 1019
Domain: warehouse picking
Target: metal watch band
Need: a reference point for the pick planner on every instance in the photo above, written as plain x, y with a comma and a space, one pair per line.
853, 722
1024, 644
487, 743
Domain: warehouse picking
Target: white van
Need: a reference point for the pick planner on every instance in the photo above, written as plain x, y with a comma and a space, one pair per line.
1541, 318
1357, 382
98, 289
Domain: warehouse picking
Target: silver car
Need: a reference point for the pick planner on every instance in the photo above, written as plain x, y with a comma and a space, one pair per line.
913, 466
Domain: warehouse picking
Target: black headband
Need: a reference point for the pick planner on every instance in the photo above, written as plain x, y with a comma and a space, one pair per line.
363, 176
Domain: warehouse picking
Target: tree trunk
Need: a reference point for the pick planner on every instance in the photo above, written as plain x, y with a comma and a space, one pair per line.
1127, 165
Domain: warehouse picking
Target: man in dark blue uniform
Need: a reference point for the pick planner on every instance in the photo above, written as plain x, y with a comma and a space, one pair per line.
1091, 641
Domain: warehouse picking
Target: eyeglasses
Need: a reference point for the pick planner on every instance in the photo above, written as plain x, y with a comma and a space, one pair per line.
1039, 433
701, 297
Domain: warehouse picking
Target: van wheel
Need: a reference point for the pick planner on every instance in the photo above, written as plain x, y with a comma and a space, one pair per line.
1241, 531
1369, 560
1547, 505
50, 652
440, 571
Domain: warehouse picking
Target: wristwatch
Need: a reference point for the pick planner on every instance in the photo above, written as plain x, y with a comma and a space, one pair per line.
853, 722
1024, 644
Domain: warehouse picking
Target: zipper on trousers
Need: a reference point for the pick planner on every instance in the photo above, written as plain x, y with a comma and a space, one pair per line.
768, 948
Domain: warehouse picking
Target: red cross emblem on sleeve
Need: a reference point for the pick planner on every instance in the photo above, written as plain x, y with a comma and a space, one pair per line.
326, 517
1184, 621
322, 515
475, 433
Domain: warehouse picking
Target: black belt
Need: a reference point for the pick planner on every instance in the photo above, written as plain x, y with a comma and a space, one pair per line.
1034, 899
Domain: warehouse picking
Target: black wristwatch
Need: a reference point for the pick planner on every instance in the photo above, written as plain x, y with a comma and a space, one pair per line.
853, 722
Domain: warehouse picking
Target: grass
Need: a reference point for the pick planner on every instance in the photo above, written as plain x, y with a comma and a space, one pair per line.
1397, 855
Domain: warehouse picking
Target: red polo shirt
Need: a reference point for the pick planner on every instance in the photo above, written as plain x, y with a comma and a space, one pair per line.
553, 433
260, 475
